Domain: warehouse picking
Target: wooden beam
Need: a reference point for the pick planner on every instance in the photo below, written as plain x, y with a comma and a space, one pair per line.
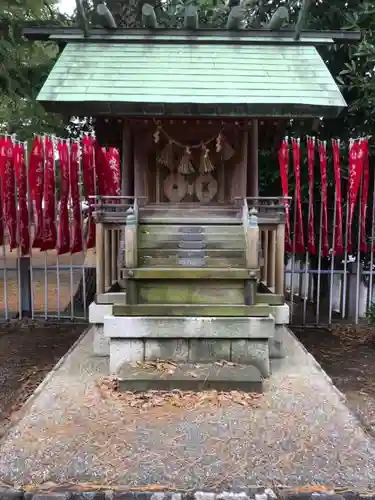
82, 18
235, 18
107, 19
302, 18
149, 17
191, 21
279, 18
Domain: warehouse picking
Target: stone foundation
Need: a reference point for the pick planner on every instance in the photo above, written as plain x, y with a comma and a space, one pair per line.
242, 340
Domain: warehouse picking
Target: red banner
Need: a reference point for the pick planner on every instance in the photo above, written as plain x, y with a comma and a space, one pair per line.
23, 211
49, 209
88, 171
299, 244
8, 184
324, 216
113, 181
63, 237
310, 169
101, 166
108, 171
76, 235
36, 189
365, 189
355, 174
284, 173
338, 240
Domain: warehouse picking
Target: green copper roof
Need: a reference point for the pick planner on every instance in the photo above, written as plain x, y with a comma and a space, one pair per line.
191, 79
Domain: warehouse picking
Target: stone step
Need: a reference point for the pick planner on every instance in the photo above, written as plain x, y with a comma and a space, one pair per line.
191, 310
191, 292
188, 273
190, 377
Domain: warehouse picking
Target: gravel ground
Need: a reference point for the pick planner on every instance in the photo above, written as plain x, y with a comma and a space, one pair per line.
302, 433
27, 353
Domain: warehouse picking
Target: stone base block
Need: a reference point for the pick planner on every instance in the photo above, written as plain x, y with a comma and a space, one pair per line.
176, 349
124, 351
114, 298
281, 314
174, 327
97, 312
100, 344
189, 377
252, 352
276, 346
243, 352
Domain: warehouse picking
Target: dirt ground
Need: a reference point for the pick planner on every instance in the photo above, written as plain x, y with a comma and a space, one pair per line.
347, 355
27, 353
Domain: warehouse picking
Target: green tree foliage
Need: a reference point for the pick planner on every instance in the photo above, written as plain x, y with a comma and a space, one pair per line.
23, 68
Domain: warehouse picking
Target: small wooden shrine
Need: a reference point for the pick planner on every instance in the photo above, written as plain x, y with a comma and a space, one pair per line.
190, 260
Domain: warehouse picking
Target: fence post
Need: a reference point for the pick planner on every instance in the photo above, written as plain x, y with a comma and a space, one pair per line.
25, 287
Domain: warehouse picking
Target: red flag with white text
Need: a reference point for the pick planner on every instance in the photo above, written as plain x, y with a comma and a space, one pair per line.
89, 181
23, 210
284, 174
324, 187
365, 189
36, 169
299, 244
338, 241
8, 185
355, 174
310, 170
63, 236
76, 234
49, 189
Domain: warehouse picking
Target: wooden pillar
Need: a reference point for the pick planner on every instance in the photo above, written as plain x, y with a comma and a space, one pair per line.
99, 248
280, 256
140, 164
271, 257
253, 161
127, 170
239, 173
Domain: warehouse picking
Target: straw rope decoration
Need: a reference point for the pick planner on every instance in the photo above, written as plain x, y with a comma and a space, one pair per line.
185, 166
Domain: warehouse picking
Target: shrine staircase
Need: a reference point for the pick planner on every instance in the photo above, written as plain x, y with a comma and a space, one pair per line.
191, 296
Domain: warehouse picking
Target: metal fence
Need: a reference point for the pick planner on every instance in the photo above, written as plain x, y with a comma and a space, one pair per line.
46, 285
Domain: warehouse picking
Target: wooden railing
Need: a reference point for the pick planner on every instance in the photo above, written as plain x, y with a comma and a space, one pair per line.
270, 214
110, 214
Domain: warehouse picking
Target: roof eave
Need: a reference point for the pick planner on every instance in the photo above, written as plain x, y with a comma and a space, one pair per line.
128, 109
124, 35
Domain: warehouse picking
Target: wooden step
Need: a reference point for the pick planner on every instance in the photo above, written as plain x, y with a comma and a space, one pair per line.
220, 230
191, 292
193, 261
189, 273
189, 310
174, 242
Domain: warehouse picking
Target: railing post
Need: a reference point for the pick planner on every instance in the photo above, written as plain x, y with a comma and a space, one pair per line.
131, 250
252, 240
280, 259
107, 257
99, 246
271, 258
